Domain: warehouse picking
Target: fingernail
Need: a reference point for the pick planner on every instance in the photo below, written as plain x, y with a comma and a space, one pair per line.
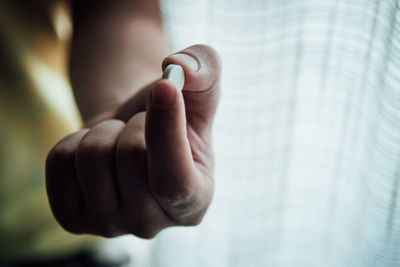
189, 60
162, 96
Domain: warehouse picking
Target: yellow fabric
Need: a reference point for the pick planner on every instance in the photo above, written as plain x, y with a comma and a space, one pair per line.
36, 110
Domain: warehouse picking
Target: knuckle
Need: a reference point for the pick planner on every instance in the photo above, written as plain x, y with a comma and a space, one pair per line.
209, 55
59, 152
64, 151
111, 123
67, 145
94, 148
212, 55
89, 146
101, 139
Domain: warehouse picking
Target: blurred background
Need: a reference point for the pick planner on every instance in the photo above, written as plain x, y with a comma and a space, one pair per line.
306, 137
37, 109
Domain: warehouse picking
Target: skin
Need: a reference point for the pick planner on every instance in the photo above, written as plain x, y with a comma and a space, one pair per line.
143, 161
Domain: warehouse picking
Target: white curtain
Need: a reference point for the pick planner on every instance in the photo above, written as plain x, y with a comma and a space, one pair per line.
307, 134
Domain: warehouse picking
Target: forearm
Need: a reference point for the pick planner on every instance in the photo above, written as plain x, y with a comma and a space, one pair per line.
116, 49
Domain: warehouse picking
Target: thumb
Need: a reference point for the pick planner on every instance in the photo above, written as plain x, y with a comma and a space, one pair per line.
183, 190
172, 175
202, 67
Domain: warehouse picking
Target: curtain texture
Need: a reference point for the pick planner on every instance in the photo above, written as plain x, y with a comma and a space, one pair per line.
306, 137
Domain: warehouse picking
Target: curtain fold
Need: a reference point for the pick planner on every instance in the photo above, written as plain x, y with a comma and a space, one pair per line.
307, 134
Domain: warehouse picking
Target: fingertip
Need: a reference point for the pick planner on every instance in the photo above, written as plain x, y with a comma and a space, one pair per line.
201, 65
163, 94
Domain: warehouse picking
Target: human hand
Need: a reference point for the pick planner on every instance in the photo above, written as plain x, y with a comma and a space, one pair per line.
148, 167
